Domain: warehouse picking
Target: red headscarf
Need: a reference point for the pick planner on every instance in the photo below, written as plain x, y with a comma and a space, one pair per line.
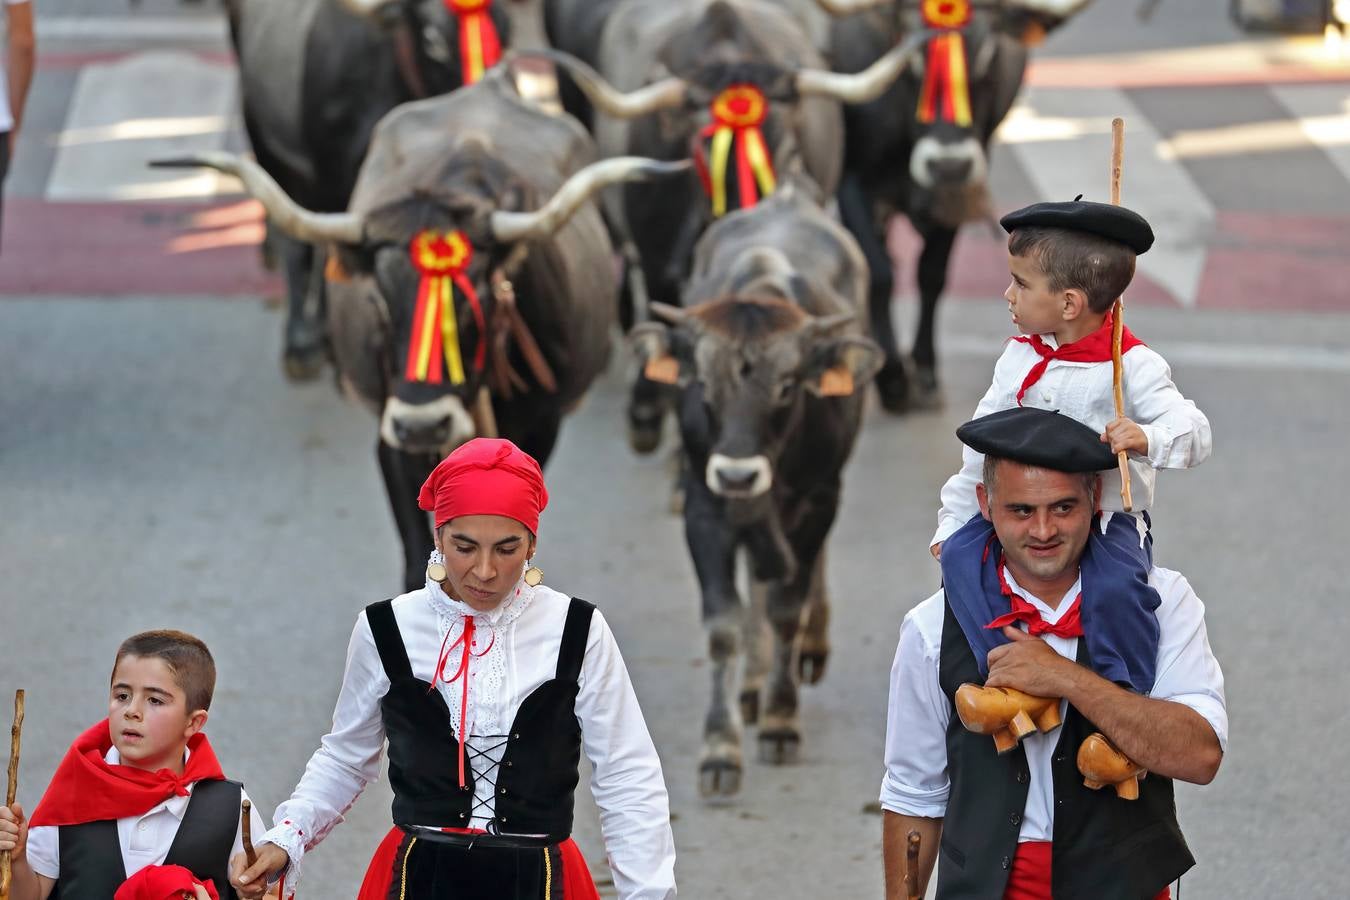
163, 883
486, 477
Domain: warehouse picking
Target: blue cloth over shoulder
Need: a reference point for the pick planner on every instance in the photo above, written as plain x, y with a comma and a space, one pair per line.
1119, 607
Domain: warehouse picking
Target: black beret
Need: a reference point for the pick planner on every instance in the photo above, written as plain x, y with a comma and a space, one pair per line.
1038, 437
1113, 222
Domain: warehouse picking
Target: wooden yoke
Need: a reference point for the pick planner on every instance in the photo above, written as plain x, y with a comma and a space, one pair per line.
1118, 313
1006, 713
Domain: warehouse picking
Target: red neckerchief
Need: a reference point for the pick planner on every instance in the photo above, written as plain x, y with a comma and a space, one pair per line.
1070, 625
1096, 347
88, 788
164, 883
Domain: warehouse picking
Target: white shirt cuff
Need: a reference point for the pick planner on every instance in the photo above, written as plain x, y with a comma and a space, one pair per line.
910, 801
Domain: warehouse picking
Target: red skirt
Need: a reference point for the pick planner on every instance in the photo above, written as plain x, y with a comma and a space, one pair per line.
1029, 878
386, 869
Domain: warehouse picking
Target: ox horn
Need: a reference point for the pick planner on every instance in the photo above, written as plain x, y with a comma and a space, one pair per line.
663, 94
849, 7
866, 85
285, 213
519, 226
366, 9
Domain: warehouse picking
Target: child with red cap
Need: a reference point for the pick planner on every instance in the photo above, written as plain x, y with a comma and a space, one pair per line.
487, 686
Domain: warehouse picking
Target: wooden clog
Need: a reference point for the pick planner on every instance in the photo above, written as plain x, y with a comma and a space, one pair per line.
1102, 764
1007, 714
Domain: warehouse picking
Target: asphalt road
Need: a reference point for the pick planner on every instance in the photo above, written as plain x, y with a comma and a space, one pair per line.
155, 470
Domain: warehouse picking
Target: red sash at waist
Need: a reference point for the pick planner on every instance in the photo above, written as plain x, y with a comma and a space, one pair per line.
1029, 878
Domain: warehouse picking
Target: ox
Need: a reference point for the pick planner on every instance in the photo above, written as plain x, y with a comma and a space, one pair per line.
315, 77
476, 290
769, 358
921, 148
658, 68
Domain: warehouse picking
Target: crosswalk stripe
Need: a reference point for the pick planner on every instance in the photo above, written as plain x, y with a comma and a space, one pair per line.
121, 117
1323, 115
1062, 137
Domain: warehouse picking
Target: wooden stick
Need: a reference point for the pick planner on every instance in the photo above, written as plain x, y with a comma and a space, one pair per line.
912, 865
1118, 314
246, 828
15, 734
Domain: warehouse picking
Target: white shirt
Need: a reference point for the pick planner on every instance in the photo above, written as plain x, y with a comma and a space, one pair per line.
6, 114
1178, 432
145, 839
519, 641
916, 781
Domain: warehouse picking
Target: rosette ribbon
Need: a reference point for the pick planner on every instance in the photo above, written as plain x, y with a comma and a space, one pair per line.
442, 260
480, 47
736, 155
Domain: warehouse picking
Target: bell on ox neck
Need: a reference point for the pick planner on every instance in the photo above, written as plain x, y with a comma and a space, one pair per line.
436, 572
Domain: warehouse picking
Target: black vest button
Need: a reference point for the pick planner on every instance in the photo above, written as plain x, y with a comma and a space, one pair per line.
1015, 818
1007, 862
1022, 778
508, 764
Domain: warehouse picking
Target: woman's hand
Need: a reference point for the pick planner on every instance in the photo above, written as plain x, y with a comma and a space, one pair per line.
251, 881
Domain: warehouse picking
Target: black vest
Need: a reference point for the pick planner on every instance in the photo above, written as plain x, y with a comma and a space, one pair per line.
1105, 848
539, 770
91, 854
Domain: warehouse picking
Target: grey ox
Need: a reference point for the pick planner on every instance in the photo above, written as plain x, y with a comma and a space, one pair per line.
518, 184
771, 360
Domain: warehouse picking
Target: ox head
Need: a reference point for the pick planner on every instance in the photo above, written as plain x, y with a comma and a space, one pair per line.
440, 44
749, 365
437, 263
957, 90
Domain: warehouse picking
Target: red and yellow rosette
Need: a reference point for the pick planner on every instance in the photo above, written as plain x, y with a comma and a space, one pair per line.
480, 48
442, 260
945, 93
737, 113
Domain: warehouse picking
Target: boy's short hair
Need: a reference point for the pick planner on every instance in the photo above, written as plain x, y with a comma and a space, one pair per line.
1099, 267
187, 657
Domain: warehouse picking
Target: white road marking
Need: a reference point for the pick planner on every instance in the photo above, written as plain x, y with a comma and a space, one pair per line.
1062, 138
130, 26
121, 117
1289, 357
1323, 114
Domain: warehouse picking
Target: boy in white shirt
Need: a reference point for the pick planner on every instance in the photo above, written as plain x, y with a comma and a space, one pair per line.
138, 795
1069, 262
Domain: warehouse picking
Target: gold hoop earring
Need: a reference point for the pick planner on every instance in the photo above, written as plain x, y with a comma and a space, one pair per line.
534, 576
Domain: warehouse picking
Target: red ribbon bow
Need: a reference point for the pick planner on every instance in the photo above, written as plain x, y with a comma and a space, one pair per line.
480, 48
1096, 347
1070, 625
466, 643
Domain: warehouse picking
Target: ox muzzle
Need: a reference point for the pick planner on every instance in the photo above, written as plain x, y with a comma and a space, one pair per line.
437, 426
739, 477
935, 163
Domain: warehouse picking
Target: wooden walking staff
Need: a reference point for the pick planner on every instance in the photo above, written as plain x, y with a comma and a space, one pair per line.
1118, 313
14, 736
912, 866
246, 829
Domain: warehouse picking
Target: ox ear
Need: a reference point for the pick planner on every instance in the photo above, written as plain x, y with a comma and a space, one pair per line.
842, 365
654, 346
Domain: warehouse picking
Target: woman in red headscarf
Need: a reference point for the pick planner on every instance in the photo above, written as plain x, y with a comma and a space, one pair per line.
487, 686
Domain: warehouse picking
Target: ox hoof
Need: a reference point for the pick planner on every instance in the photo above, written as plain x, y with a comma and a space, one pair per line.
644, 428
303, 364
811, 665
779, 746
750, 707
893, 386
927, 392
719, 778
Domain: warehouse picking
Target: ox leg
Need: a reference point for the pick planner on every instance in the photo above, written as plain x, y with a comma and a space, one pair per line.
305, 348
713, 549
758, 651
937, 253
815, 645
403, 476
856, 211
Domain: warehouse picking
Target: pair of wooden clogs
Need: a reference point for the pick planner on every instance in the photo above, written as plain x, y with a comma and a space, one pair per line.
1010, 715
